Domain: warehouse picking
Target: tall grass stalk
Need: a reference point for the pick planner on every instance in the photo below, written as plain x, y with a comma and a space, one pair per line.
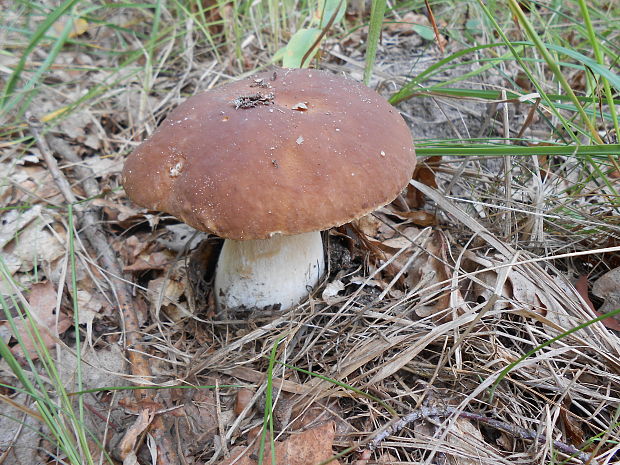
553, 66
65, 426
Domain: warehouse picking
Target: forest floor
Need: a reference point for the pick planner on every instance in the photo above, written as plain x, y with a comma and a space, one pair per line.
461, 324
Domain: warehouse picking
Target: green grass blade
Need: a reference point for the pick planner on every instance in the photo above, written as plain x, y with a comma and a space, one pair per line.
377, 13
35, 41
594, 42
501, 150
553, 66
268, 416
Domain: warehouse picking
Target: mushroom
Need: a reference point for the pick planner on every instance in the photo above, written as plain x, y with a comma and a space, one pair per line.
267, 163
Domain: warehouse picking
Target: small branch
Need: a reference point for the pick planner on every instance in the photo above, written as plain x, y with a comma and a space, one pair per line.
513, 430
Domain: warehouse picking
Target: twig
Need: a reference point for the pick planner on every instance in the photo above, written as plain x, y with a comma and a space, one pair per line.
431, 18
90, 225
513, 430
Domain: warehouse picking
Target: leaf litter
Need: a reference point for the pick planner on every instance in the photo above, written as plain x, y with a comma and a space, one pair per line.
428, 301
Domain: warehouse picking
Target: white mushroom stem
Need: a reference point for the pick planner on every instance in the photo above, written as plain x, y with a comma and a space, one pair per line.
263, 273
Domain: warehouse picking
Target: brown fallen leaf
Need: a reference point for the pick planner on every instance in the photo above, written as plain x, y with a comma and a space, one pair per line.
42, 303
150, 261
128, 443
573, 430
425, 173
582, 286
308, 448
608, 287
433, 268
418, 217
244, 396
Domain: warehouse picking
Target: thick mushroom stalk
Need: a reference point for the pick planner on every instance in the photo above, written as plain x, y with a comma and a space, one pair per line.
268, 272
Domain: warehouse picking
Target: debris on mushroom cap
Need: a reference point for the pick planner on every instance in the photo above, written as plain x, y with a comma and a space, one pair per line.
231, 160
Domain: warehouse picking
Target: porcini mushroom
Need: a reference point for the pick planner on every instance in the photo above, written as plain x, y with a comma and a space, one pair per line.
267, 163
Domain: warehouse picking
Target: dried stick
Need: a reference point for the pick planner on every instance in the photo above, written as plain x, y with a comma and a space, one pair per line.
513, 430
89, 223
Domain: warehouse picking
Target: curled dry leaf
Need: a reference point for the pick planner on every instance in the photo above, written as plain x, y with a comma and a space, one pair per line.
151, 261
180, 237
425, 173
417, 217
389, 242
308, 448
125, 215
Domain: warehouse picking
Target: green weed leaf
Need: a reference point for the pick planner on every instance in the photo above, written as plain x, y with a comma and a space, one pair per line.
298, 46
326, 10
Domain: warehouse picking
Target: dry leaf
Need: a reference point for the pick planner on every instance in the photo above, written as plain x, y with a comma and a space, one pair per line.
116, 211
419, 217
128, 443
427, 272
330, 293
42, 303
89, 306
244, 396
572, 426
32, 241
166, 293
103, 166
200, 418
608, 287
466, 438
425, 173
150, 261
369, 225
79, 27
582, 286
13, 221
180, 237
308, 448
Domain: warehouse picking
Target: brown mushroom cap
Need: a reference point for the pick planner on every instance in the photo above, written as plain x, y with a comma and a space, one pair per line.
284, 152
